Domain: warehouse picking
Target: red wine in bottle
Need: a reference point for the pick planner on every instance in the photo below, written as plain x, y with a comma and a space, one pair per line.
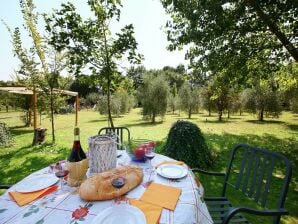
77, 154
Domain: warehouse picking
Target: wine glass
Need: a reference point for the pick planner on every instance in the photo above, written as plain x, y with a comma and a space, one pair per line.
150, 154
60, 172
118, 182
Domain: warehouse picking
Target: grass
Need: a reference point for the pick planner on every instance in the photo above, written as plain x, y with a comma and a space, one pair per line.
280, 135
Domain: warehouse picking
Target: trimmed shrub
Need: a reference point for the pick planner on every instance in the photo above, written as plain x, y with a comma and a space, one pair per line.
186, 142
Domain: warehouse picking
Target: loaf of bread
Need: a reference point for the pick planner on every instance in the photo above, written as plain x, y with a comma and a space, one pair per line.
99, 187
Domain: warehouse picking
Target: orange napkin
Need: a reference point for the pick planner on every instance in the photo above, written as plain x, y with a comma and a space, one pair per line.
170, 162
162, 195
152, 212
25, 198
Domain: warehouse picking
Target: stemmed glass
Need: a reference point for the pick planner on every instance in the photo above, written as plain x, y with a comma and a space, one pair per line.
149, 154
118, 182
60, 172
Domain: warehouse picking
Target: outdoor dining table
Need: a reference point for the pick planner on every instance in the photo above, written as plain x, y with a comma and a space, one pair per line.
68, 207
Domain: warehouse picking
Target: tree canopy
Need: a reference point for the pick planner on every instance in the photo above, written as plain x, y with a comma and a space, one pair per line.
220, 32
89, 42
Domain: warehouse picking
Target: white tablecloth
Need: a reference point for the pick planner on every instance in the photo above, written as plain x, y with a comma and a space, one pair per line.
68, 207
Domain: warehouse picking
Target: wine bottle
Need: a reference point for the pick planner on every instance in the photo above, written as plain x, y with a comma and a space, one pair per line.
77, 154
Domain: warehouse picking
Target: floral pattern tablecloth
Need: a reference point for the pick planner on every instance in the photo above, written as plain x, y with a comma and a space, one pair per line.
69, 208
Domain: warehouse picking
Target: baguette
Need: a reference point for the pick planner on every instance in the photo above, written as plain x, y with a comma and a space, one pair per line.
99, 187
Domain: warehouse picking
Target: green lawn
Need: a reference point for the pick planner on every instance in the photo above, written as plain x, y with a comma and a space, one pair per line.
279, 135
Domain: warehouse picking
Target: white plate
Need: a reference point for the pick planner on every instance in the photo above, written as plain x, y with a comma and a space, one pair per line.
124, 214
171, 171
36, 183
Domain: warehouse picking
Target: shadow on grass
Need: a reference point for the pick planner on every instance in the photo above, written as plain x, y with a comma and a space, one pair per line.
224, 121
105, 119
20, 131
174, 115
206, 115
144, 124
265, 122
17, 164
97, 120
235, 118
293, 127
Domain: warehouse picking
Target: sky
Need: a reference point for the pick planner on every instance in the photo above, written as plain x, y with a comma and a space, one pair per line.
147, 16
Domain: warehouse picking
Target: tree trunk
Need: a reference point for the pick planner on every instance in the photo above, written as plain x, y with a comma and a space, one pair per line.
189, 113
209, 111
220, 115
109, 71
52, 117
275, 30
228, 114
109, 103
153, 117
261, 115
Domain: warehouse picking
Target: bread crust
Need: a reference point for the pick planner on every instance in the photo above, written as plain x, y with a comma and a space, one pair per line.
99, 187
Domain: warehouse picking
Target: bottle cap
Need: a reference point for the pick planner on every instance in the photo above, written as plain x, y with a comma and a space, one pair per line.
76, 131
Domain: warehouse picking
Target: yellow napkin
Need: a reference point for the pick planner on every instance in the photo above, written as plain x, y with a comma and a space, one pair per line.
25, 198
152, 212
170, 162
162, 195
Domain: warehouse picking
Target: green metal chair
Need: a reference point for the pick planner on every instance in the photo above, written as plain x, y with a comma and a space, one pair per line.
5, 186
251, 171
122, 133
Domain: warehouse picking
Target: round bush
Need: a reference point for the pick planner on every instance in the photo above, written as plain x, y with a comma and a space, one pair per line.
186, 142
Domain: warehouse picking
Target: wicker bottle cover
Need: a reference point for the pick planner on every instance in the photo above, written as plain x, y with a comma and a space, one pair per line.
77, 163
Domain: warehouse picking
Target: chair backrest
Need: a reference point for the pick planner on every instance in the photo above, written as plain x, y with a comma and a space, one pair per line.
122, 133
257, 173
5, 186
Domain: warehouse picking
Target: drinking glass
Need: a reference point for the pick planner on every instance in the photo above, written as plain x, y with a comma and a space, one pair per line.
60, 172
149, 154
117, 182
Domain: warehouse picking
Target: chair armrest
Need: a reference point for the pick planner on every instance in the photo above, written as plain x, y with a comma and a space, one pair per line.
207, 172
272, 212
5, 186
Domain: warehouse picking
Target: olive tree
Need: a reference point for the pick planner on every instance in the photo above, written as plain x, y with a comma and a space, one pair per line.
188, 99
205, 98
173, 102
262, 100
153, 95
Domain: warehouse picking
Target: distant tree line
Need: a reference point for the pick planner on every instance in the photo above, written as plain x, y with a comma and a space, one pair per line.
174, 89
